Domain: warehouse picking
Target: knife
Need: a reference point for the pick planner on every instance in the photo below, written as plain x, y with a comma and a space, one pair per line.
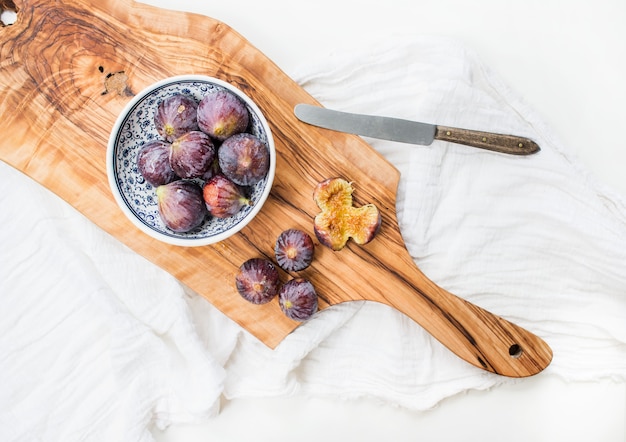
413, 132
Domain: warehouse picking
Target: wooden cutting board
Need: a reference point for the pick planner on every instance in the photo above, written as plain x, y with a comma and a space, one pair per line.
68, 67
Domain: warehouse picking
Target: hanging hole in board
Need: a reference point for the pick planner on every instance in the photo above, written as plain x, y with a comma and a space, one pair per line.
515, 351
8, 12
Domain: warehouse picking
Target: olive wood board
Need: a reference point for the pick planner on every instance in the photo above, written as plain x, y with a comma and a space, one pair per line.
68, 68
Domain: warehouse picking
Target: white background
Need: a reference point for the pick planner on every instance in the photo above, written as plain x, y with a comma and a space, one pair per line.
568, 60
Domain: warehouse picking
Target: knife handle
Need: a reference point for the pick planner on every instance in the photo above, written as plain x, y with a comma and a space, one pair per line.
486, 140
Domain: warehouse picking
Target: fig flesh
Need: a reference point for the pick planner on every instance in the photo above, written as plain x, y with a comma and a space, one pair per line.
244, 159
297, 299
221, 114
175, 116
294, 250
153, 163
224, 198
257, 280
339, 220
181, 205
192, 154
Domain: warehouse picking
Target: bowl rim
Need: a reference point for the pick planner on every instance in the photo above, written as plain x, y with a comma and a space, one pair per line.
111, 173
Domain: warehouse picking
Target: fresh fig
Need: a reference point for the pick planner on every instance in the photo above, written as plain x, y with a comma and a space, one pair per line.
339, 220
294, 250
257, 280
192, 154
175, 116
244, 159
153, 163
224, 198
222, 114
297, 299
181, 206
214, 169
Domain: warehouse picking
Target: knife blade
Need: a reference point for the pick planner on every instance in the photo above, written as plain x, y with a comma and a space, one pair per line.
413, 132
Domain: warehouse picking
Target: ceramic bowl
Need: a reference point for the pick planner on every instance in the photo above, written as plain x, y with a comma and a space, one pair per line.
137, 198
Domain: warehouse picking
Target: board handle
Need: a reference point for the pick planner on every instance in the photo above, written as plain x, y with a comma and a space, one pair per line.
509, 144
478, 336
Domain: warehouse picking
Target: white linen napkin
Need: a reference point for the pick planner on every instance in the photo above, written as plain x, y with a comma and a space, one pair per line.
97, 343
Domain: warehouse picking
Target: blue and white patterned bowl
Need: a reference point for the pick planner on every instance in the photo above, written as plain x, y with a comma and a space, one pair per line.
137, 198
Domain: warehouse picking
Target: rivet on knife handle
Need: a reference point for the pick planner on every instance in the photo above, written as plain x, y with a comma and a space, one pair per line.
486, 140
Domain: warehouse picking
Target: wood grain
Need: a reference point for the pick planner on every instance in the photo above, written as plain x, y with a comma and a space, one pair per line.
68, 67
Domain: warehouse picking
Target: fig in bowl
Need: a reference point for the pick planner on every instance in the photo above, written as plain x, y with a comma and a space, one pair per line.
175, 116
192, 154
244, 159
223, 198
153, 163
157, 140
181, 205
222, 115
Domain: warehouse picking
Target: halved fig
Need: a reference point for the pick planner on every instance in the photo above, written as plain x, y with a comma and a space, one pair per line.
339, 220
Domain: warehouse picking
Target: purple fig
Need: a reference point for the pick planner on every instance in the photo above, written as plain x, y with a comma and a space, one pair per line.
153, 163
257, 280
294, 250
297, 299
181, 206
214, 169
176, 115
244, 159
192, 154
223, 198
222, 114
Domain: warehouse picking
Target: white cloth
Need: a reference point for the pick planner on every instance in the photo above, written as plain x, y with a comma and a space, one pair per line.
96, 343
